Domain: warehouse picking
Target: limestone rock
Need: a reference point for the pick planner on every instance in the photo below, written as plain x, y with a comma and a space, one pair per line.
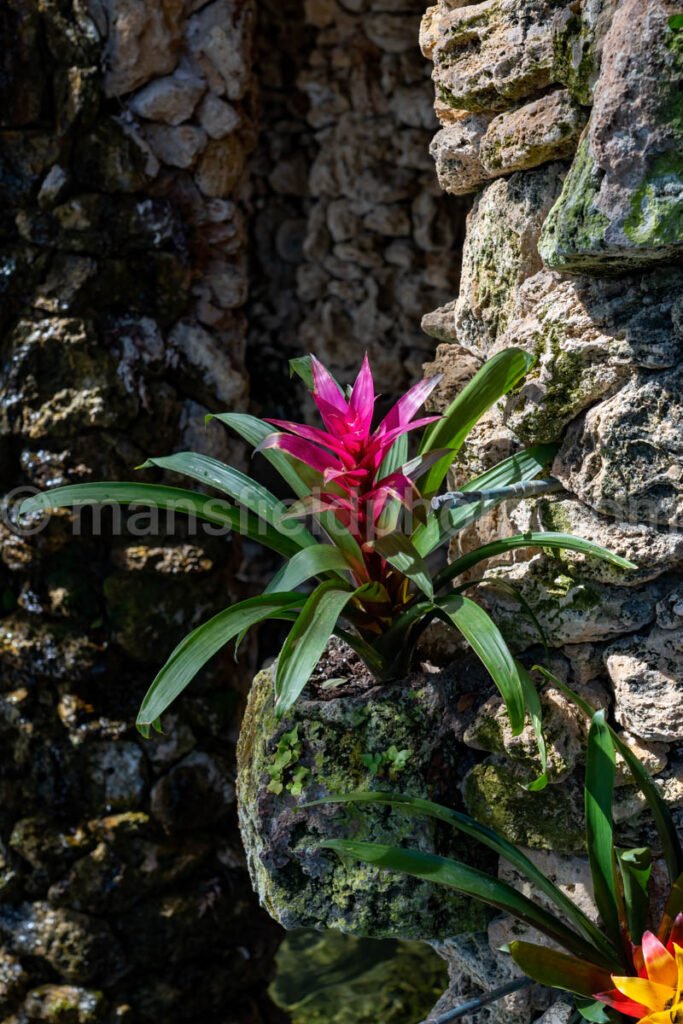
455, 150
564, 727
219, 36
196, 793
475, 969
500, 253
178, 147
116, 774
52, 1002
372, 737
579, 36
646, 672
622, 202
569, 609
217, 117
489, 55
171, 99
549, 820
588, 334
654, 551
143, 41
75, 945
625, 456
545, 129
221, 167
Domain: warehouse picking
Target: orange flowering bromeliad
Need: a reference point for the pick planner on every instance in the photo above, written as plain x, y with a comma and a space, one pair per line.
619, 972
655, 996
358, 569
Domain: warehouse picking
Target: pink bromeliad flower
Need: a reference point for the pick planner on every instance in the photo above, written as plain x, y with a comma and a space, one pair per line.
348, 453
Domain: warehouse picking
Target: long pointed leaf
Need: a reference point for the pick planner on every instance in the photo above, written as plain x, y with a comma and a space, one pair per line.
399, 552
446, 871
307, 640
599, 796
636, 868
172, 499
491, 382
528, 540
671, 844
533, 706
488, 644
312, 561
523, 466
558, 970
508, 851
193, 652
239, 487
301, 366
254, 431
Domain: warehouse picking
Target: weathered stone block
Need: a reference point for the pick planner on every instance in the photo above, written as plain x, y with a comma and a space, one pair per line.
622, 202
372, 737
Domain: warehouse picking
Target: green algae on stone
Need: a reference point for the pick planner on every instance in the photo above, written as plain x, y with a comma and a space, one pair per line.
656, 217
573, 236
551, 820
330, 978
299, 884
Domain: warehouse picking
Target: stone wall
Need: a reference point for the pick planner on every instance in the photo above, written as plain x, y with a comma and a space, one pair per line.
563, 120
352, 241
156, 159
125, 130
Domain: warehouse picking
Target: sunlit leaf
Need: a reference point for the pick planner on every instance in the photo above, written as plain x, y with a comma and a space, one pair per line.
495, 378
558, 970
599, 796
488, 644
307, 640
194, 650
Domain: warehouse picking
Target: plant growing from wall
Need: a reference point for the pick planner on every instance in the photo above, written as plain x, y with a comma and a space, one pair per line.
619, 972
377, 516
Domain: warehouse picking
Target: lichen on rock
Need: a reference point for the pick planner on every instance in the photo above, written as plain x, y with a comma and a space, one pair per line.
340, 741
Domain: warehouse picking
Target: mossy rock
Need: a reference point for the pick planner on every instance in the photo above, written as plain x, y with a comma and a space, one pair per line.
401, 737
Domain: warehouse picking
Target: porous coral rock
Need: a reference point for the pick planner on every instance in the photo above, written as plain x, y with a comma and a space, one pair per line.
325, 746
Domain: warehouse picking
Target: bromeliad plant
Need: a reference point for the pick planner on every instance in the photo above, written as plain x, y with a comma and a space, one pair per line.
621, 972
378, 517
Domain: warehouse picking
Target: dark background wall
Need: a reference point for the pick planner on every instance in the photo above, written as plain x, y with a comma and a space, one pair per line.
179, 214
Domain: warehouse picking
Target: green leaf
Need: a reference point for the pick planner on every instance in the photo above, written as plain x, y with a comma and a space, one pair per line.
495, 378
313, 561
599, 795
636, 869
488, 644
533, 706
671, 845
445, 871
173, 499
594, 1011
596, 944
523, 466
674, 907
398, 551
301, 367
676, 22
193, 652
254, 431
525, 540
558, 970
239, 487
307, 640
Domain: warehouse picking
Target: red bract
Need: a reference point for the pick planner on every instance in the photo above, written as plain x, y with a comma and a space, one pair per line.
348, 453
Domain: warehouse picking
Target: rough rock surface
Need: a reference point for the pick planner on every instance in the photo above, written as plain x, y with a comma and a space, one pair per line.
117, 335
622, 203
577, 263
325, 745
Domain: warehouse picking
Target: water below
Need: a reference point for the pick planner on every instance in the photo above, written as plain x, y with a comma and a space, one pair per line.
330, 978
